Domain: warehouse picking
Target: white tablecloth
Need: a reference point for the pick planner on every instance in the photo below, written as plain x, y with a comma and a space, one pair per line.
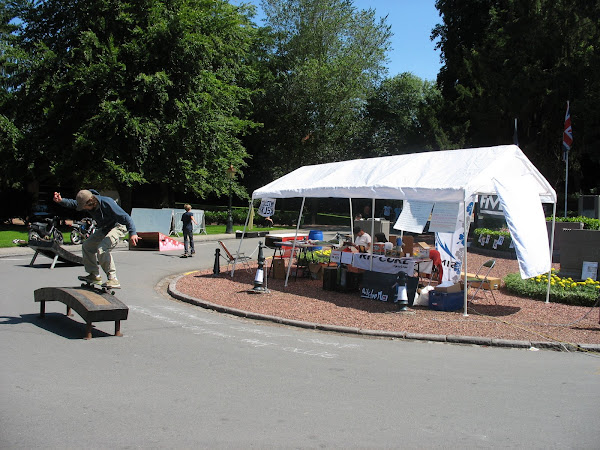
386, 264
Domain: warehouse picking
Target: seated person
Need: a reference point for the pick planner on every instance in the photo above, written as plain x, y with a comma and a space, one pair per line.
362, 241
380, 237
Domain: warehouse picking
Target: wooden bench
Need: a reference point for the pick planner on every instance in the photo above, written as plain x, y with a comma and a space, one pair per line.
91, 306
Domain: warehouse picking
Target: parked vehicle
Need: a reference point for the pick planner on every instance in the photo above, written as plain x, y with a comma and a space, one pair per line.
82, 229
47, 229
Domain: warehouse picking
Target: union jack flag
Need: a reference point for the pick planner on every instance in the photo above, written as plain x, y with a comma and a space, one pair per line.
567, 134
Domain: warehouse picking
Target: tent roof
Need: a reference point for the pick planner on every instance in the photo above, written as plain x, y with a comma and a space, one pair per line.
442, 176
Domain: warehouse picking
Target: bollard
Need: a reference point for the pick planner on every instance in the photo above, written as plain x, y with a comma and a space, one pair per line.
217, 265
259, 284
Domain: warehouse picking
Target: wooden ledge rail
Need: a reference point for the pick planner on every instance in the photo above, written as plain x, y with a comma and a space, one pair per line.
91, 306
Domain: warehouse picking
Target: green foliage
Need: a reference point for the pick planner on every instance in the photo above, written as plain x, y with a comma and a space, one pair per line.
562, 290
588, 223
139, 92
513, 59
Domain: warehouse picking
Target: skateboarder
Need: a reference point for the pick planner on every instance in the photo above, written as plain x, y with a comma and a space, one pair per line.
112, 225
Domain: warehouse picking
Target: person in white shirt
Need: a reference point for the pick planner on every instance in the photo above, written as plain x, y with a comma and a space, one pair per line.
362, 241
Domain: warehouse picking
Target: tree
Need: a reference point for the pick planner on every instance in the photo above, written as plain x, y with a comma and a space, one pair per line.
324, 58
136, 92
507, 59
403, 117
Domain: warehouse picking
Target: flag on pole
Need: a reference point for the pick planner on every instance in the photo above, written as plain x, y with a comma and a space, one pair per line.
515, 135
567, 134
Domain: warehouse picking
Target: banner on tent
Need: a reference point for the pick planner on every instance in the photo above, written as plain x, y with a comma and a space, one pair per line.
267, 207
452, 245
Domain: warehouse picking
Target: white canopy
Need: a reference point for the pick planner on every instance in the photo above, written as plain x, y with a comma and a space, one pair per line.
443, 176
440, 176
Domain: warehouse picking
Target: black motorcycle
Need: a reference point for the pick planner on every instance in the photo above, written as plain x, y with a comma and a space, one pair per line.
82, 230
46, 230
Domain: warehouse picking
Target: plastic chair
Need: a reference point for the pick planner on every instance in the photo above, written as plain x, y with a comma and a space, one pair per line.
481, 277
230, 258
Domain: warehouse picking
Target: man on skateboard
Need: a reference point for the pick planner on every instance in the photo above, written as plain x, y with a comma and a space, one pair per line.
112, 225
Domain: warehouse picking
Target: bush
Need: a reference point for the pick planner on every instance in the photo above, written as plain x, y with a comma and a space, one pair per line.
588, 223
494, 235
562, 290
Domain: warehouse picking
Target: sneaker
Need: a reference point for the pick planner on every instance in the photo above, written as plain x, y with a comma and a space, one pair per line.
91, 278
192, 252
112, 283
184, 255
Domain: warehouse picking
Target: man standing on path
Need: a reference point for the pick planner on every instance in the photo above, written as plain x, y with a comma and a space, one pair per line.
112, 225
188, 231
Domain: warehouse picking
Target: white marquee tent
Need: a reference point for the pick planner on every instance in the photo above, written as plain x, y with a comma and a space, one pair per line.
451, 176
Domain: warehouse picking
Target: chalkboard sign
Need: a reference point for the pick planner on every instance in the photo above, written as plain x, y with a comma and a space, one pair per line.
380, 286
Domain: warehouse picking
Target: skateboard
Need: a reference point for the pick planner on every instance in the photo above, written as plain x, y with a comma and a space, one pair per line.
98, 287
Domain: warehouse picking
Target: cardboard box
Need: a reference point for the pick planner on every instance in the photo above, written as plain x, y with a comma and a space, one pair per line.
408, 243
279, 269
494, 283
316, 271
449, 289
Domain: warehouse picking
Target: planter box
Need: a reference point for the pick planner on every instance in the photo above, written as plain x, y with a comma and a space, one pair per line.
558, 229
578, 246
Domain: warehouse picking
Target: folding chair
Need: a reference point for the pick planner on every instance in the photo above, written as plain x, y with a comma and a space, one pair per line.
241, 258
481, 278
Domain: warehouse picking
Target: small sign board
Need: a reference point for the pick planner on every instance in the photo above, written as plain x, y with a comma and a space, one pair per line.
381, 286
589, 269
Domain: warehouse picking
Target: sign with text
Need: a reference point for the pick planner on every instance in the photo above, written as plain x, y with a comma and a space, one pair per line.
267, 207
443, 217
382, 286
386, 264
490, 205
414, 216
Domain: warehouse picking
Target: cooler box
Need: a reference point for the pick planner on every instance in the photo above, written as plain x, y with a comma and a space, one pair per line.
442, 301
270, 240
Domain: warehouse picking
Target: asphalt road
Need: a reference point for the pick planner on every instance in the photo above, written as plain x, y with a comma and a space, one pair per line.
184, 377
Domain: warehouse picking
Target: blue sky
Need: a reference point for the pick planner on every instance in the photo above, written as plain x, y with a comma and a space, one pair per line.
411, 22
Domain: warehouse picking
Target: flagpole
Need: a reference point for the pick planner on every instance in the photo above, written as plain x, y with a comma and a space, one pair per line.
566, 180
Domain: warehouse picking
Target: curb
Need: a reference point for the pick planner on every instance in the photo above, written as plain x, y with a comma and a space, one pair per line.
451, 339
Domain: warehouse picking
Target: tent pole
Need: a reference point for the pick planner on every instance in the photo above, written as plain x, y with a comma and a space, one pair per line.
372, 233
351, 220
464, 263
242, 239
287, 275
551, 251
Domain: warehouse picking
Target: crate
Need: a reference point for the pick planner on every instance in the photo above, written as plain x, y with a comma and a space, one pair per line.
442, 301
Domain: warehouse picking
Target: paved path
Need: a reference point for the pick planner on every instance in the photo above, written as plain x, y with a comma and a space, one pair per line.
185, 377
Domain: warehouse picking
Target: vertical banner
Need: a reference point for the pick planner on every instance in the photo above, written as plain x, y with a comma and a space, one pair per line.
267, 207
452, 245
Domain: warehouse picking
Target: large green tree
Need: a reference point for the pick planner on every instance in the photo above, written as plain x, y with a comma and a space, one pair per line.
323, 58
507, 59
150, 91
403, 117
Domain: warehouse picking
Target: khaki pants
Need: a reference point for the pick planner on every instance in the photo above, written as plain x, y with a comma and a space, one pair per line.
96, 250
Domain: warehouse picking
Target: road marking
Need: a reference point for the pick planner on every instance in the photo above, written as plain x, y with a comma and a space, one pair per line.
260, 338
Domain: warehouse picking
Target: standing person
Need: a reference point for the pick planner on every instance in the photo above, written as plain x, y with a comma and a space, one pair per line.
362, 240
112, 223
188, 231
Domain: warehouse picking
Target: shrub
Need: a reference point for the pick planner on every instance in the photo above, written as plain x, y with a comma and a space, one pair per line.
562, 290
480, 236
588, 223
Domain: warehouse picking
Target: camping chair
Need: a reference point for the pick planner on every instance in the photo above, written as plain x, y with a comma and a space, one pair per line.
481, 278
241, 258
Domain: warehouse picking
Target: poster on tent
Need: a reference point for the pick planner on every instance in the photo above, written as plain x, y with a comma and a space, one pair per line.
443, 217
451, 245
267, 207
414, 216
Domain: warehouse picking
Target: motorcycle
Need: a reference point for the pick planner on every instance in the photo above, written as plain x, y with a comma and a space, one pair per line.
46, 230
82, 230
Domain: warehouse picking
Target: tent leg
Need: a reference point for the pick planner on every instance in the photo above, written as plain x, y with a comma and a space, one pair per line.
242, 238
287, 275
551, 251
464, 263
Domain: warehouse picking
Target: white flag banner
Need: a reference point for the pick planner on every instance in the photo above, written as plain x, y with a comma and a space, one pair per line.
452, 245
267, 207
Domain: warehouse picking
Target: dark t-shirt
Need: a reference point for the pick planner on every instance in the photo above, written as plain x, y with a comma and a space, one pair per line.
187, 220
